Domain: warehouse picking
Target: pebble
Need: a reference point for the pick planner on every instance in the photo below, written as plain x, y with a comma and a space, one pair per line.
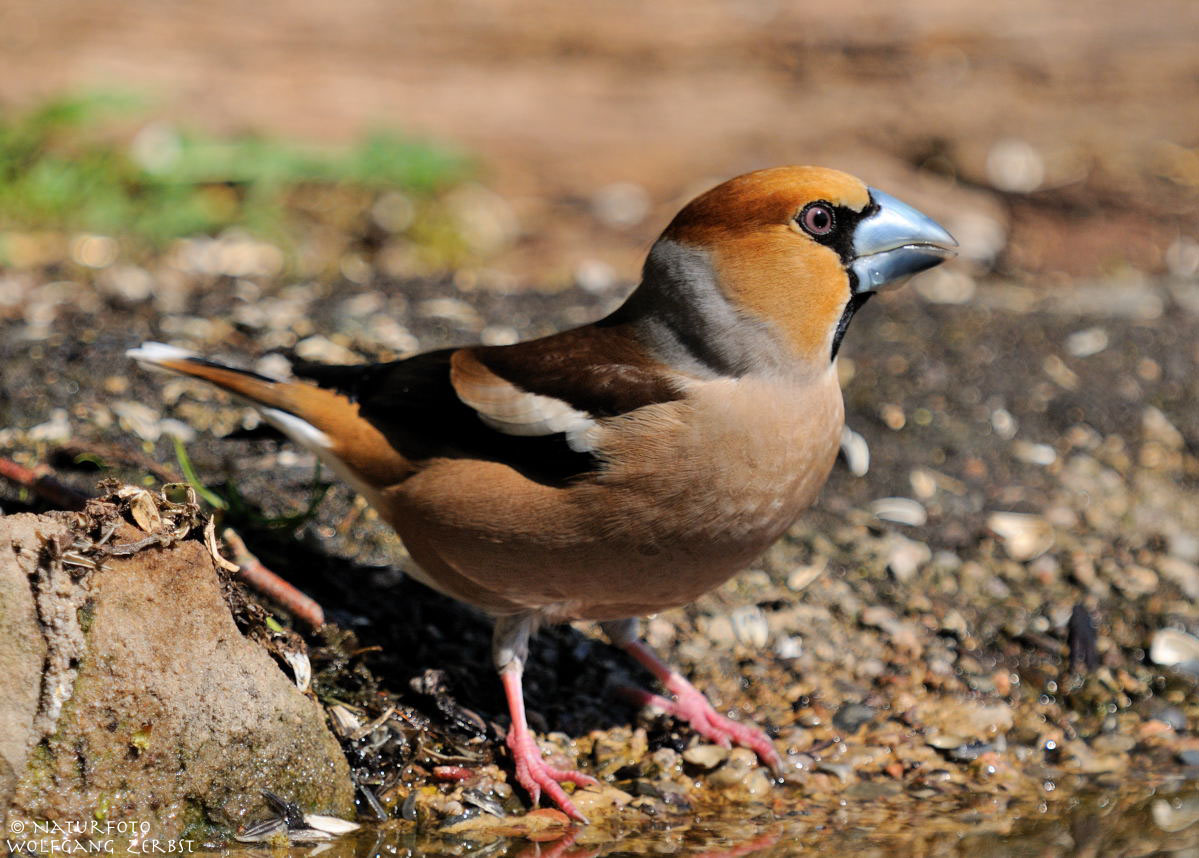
981, 238
94, 251
1015, 166
736, 769
393, 211
871, 790
620, 204
1113, 743
55, 430
499, 335
1177, 814
967, 719
1171, 647
790, 647
1185, 575
851, 717
1004, 424
138, 418
1087, 342
1034, 454
596, 277
842, 771
1024, 536
948, 285
324, 350
129, 283
855, 451
900, 510
924, 484
804, 576
1156, 426
594, 800
945, 741
1064, 377
452, 310
1182, 258
750, 626
706, 757
484, 220
906, 556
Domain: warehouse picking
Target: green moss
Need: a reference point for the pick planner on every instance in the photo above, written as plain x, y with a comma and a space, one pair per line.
198, 825
85, 615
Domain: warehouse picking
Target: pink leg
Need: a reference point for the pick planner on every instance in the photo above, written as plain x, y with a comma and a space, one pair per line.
691, 706
531, 769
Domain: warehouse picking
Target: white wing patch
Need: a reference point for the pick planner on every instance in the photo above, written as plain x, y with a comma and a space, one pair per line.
506, 408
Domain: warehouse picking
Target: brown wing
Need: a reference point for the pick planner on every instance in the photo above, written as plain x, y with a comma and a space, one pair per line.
600, 369
528, 405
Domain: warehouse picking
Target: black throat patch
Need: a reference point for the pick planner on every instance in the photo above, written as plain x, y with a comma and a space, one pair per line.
856, 302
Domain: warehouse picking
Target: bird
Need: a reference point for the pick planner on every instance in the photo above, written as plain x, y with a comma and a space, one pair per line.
622, 468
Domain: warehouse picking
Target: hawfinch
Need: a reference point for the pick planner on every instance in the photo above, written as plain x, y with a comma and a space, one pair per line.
627, 466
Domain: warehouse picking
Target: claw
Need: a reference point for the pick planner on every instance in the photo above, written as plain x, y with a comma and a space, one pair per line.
535, 775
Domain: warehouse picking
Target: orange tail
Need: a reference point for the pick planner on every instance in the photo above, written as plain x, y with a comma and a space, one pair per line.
320, 420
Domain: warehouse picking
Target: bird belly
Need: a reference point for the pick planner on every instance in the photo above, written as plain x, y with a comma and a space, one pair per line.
691, 493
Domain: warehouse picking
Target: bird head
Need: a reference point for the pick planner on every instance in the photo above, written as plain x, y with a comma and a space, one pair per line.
772, 265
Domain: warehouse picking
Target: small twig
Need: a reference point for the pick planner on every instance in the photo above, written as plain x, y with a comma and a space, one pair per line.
43, 483
128, 549
251, 570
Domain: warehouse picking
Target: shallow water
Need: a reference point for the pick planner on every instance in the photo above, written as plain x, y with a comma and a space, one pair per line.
1134, 819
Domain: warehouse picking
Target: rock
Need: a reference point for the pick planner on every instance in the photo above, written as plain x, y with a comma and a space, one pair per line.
1025, 537
803, 577
953, 285
1015, 166
22, 647
155, 708
1182, 258
855, 451
964, 720
852, 716
706, 757
906, 556
1182, 573
872, 790
1113, 743
750, 626
1156, 426
1176, 815
736, 770
1172, 648
599, 800
1034, 454
900, 511
1087, 342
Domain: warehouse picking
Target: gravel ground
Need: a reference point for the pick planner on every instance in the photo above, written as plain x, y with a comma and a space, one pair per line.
982, 645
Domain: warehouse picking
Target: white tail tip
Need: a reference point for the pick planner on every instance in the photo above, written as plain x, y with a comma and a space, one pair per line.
154, 353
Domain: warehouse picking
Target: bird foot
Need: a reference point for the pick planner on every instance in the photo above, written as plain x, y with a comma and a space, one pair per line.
691, 706
536, 776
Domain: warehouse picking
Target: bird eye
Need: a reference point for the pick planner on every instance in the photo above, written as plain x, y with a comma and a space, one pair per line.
817, 219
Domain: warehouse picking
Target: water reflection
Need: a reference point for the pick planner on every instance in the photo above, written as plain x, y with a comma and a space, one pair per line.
1130, 820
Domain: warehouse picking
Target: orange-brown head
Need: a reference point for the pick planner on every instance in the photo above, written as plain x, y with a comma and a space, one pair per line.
768, 268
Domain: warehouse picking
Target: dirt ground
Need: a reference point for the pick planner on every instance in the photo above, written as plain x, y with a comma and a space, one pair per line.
926, 661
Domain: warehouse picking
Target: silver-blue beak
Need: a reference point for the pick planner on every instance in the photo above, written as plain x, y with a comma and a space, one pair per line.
896, 242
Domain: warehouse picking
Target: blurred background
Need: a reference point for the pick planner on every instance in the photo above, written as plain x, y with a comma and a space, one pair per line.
1054, 138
